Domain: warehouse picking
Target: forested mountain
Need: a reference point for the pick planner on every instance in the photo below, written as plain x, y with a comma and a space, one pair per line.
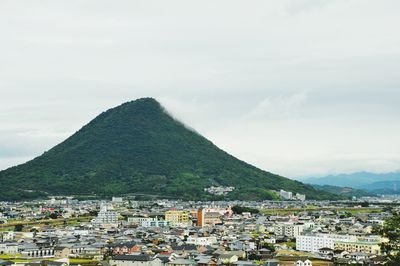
138, 147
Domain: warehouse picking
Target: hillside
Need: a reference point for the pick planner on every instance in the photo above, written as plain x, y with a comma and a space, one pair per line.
355, 180
345, 191
138, 147
388, 187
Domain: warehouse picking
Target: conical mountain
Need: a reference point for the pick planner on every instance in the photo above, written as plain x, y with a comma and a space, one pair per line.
139, 148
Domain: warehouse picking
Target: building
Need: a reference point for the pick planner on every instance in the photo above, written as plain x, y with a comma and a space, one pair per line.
301, 197
369, 245
219, 190
177, 218
288, 229
201, 241
285, 194
212, 218
117, 200
138, 220
7, 236
8, 248
135, 260
207, 217
106, 217
313, 243
200, 217
154, 222
349, 243
124, 248
148, 222
303, 263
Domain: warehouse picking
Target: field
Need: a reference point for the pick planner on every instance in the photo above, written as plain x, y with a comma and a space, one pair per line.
44, 222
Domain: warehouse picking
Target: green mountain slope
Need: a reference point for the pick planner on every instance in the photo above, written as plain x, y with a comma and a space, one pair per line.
345, 191
138, 148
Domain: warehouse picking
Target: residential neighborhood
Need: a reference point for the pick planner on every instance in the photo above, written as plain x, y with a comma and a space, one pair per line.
129, 232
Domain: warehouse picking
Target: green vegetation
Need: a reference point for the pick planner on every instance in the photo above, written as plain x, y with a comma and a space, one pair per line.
391, 230
138, 148
240, 209
344, 191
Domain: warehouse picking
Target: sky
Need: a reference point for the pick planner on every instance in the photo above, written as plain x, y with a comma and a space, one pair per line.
299, 88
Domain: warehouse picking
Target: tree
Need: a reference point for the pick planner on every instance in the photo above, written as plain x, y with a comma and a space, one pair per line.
391, 230
53, 215
18, 228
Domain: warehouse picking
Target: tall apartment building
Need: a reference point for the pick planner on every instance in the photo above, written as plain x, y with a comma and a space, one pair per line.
106, 217
207, 217
200, 217
177, 218
288, 229
285, 194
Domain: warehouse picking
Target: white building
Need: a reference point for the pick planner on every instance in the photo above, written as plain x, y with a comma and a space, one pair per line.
8, 248
148, 222
154, 222
288, 229
312, 243
135, 260
301, 197
106, 217
7, 236
285, 194
117, 199
201, 241
138, 220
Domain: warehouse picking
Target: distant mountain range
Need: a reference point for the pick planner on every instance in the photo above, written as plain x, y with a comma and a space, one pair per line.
138, 148
388, 183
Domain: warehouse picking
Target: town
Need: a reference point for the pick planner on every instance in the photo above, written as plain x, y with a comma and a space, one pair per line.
125, 231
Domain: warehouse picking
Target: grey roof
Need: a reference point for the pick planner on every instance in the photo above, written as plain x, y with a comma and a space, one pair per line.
141, 257
182, 262
5, 262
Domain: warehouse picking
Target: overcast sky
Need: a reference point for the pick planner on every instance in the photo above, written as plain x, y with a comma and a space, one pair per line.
299, 88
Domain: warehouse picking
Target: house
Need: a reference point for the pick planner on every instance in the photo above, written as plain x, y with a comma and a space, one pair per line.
61, 252
125, 248
207, 261
228, 258
184, 249
326, 253
272, 262
181, 262
358, 256
303, 263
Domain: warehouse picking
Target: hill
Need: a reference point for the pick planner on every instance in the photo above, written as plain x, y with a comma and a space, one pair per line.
345, 191
354, 180
138, 147
388, 187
